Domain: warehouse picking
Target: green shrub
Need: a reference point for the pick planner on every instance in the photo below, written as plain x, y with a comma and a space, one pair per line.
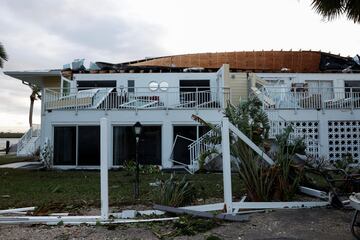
174, 192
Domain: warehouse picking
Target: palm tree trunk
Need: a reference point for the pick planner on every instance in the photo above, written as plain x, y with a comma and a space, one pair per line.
32, 100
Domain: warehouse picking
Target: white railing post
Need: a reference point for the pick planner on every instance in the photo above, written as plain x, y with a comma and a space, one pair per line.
196, 100
225, 144
104, 168
351, 100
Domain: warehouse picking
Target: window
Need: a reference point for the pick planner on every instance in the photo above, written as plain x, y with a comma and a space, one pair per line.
65, 88
355, 85
64, 145
323, 88
83, 140
96, 84
131, 86
124, 148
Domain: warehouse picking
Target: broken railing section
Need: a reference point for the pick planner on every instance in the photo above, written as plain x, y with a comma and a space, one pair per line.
233, 208
228, 204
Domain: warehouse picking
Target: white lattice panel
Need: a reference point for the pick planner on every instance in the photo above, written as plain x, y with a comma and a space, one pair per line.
307, 129
343, 139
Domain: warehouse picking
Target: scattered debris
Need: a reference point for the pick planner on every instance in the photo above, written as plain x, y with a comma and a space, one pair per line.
75, 220
202, 214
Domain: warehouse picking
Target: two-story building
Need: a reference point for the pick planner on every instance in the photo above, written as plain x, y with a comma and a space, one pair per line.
317, 92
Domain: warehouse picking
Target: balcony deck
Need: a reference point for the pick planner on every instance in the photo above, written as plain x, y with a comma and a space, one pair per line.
135, 98
287, 98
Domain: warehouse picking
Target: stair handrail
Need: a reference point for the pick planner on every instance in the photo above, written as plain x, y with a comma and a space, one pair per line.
33, 131
199, 146
24, 139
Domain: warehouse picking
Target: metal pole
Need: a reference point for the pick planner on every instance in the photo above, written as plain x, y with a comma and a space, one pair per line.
7, 149
225, 144
137, 178
104, 168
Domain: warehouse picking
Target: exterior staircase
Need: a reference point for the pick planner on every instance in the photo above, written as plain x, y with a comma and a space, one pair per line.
201, 146
29, 143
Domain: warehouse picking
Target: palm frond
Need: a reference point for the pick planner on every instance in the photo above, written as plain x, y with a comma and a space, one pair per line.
329, 9
3, 55
352, 10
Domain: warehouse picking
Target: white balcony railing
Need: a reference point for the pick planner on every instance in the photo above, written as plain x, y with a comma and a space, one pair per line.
310, 98
136, 98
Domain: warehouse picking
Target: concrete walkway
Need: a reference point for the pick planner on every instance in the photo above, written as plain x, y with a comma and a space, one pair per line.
21, 165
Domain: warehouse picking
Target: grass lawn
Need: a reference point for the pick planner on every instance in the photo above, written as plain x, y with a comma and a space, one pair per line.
12, 158
24, 188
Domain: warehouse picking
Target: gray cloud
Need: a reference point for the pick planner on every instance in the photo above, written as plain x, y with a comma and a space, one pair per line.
40, 34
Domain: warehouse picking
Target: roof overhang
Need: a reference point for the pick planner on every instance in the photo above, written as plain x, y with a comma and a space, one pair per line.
34, 77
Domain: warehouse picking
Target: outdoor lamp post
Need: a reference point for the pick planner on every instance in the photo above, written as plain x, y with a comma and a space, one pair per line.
137, 129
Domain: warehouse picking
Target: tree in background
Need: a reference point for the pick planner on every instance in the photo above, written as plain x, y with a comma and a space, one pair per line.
3, 55
35, 95
332, 9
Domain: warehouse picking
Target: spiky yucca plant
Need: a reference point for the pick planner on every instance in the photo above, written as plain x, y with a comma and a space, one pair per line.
174, 192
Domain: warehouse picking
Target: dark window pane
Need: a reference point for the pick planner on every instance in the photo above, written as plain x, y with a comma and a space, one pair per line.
95, 84
64, 145
352, 84
131, 86
124, 145
89, 145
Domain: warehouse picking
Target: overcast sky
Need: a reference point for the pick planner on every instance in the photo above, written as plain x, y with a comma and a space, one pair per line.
45, 34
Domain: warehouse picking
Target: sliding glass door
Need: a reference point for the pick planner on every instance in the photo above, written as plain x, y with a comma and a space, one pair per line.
124, 145
77, 145
89, 145
65, 145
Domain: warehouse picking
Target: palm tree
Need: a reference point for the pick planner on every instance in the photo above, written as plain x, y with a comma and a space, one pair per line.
331, 9
3, 55
35, 95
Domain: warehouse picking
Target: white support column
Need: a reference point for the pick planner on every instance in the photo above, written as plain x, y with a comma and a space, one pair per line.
104, 132
166, 142
323, 136
225, 144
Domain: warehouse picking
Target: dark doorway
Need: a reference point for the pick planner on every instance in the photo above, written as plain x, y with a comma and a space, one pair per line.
89, 145
194, 92
64, 145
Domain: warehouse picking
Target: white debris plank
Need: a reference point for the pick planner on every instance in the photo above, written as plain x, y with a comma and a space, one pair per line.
279, 205
206, 207
76, 220
314, 193
16, 210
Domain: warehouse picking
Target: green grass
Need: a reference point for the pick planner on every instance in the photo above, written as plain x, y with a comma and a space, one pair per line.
11, 158
23, 188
